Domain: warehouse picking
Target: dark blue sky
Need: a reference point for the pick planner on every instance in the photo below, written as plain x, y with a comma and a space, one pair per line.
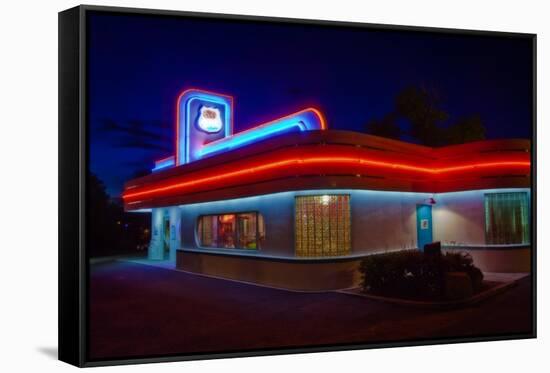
137, 65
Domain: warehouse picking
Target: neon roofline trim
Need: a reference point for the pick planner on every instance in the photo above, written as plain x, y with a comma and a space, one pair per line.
164, 163
303, 120
325, 160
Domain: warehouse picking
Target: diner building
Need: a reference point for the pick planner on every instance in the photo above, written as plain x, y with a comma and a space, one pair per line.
293, 204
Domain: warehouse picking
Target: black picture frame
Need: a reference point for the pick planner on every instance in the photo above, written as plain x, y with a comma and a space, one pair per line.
73, 163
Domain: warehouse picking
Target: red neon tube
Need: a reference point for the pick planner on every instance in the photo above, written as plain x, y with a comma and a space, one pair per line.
294, 162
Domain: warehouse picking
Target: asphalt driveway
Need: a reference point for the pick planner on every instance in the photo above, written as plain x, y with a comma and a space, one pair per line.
140, 310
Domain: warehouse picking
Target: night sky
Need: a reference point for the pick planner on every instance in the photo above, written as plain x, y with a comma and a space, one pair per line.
137, 66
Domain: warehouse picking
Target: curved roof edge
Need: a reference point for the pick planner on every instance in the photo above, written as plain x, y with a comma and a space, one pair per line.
335, 159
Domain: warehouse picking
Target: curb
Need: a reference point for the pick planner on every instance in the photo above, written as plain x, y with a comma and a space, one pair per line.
112, 258
478, 298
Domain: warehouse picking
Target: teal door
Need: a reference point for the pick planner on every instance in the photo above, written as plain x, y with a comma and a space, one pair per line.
423, 225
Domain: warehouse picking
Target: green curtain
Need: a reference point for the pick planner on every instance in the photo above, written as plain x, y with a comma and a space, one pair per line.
507, 218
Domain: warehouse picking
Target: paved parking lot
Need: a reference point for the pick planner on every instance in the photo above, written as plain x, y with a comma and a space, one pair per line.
141, 310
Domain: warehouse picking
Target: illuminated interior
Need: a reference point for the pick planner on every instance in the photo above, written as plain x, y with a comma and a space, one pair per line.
231, 231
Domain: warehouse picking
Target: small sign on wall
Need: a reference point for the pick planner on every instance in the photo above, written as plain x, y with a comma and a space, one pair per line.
210, 119
424, 224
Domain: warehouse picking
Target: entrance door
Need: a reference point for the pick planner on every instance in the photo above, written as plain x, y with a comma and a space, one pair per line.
423, 225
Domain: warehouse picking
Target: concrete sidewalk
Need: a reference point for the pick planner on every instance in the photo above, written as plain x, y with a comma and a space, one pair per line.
504, 277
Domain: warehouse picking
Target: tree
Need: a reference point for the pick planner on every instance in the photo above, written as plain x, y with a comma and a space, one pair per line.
385, 127
102, 217
466, 129
111, 230
421, 107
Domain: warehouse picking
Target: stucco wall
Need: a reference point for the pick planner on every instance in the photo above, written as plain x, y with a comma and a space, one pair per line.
310, 275
384, 221
459, 218
517, 259
380, 221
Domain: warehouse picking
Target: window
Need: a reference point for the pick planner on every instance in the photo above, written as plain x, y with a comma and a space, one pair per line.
507, 218
322, 225
231, 231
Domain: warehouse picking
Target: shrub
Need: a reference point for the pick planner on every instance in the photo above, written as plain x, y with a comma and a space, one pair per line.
463, 262
413, 274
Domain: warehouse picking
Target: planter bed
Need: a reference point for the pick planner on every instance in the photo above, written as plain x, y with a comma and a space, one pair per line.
489, 289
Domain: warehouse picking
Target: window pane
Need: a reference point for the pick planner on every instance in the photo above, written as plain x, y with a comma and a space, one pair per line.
231, 231
507, 218
247, 230
261, 230
207, 229
322, 225
226, 231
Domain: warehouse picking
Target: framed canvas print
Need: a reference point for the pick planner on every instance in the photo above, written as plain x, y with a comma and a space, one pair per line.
239, 186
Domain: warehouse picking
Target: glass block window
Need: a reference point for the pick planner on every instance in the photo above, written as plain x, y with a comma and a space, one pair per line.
322, 225
507, 218
244, 230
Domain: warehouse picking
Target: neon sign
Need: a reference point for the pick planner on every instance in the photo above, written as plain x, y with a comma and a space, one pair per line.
204, 127
192, 105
